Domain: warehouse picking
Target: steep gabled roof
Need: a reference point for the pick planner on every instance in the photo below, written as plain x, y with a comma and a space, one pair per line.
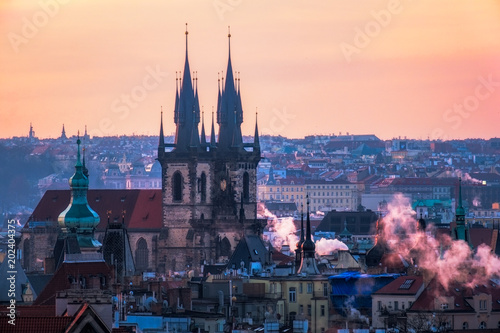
142, 207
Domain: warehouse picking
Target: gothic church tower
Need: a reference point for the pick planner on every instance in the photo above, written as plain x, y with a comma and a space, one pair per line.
209, 187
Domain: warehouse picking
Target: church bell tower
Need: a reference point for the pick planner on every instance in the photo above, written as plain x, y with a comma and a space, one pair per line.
209, 187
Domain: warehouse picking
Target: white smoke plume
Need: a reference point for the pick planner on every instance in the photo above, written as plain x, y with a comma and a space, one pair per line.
439, 257
353, 313
283, 231
327, 246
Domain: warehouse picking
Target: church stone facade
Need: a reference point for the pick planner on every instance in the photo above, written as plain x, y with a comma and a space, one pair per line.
209, 187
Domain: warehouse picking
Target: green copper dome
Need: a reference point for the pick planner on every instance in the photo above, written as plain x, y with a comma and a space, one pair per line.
78, 217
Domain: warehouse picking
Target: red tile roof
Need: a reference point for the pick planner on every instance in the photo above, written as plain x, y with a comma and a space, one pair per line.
460, 294
143, 207
31, 310
35, 324
403, 285
283, 259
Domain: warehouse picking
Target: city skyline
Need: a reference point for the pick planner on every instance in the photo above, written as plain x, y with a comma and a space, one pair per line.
391, 68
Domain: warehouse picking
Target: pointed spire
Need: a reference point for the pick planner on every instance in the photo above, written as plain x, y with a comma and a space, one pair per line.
212, 131
187, 114
229, 113
460, 208
78, 159
256, 140
308, 228
203, 135
302, 239
461, 230
195, 139
161, 142
270, 179
84, 167
63, 134
298, 249
308, 264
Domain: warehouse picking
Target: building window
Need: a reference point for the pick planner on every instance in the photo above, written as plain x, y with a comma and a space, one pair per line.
482, 305
379, 305
292, 295
396, 305
203, 187
141, 255
300, 288
325, 289
482, 326
177, 186
444, 306
301, 309
322, 311
309, 309
309, 288
465, 325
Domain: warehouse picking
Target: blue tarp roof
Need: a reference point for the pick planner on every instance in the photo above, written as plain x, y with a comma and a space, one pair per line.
357, 285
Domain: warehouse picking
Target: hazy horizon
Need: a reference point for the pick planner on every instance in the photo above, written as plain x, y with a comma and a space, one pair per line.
421, 69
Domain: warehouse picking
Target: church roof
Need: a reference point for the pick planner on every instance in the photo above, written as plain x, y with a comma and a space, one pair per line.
142, 208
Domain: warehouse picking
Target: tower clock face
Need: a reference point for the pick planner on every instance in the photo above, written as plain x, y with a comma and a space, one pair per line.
223, 185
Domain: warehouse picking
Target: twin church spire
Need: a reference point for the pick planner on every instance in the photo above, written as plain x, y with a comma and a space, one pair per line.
187, 114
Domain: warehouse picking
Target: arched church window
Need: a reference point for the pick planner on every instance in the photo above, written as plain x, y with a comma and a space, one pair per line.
177, 186
246, 187
141, 255
203, 188
225, 247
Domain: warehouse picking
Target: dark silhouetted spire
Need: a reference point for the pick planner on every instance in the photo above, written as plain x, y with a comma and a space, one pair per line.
203, 139
213, 143
256, 140
229, 111
461, 232
85, 170
195, 139
186, 113
298, 249
270, 179
161, 142
460, 211
308, 265
63, 134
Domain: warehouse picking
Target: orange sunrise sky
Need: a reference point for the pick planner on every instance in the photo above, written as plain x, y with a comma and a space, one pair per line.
421, 69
